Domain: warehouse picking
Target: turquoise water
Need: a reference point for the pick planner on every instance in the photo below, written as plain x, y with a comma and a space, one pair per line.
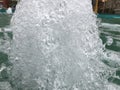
108, 16
113, 19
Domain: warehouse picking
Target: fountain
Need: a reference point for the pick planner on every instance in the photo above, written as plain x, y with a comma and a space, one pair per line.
56, 46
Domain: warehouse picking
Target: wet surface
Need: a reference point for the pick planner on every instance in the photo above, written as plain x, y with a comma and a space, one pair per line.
4, 20
110, 32
106, 32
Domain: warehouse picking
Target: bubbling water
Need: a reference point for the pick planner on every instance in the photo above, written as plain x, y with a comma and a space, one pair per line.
56, 46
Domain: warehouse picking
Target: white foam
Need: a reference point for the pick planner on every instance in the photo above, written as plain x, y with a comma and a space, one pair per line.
56, 46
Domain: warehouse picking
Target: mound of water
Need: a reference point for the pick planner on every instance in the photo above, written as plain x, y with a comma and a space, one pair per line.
56, 46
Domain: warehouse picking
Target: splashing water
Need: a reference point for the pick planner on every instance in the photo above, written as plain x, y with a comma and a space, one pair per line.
56, 46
